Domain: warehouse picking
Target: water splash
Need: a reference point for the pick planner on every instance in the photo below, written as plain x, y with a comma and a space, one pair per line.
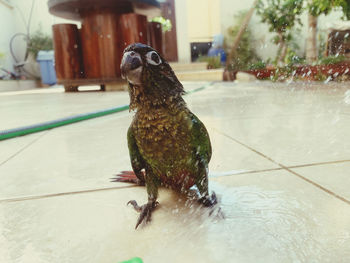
214, 174
347, 97
327, 80
259, 224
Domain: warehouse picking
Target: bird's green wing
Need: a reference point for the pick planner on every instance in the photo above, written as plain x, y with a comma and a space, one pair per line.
200, 140
136, 159
202, 154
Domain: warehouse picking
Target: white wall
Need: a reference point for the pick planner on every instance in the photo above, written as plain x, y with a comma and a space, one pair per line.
203, 18
264, 47
41, 18
14, 19
228, 8
7, 29
183, 46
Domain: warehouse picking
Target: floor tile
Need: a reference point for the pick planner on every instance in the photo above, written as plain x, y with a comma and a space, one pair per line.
291, 140
22, 110
230, 157
10, 148
335, 177
289, 219
72, 214
270, 217
32, 108
75, 157
87, 154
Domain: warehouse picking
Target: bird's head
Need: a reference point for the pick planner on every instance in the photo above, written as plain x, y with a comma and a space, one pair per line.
150, 77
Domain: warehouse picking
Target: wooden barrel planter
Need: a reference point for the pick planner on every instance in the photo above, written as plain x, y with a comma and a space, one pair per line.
108, 26
155, 36
68, 58
100, 44
133, 28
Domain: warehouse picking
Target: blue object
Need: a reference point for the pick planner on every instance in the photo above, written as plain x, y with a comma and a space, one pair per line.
218, 41
47, 69
214, 52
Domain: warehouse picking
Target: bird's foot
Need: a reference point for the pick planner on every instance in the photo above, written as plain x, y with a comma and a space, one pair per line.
211, 202
127, 177
145, 211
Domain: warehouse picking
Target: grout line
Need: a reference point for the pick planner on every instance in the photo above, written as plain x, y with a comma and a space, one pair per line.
281, 168
240, 117
27, 198
25, 147
319, 186
317, 164
246, 146
287, 169
245, 172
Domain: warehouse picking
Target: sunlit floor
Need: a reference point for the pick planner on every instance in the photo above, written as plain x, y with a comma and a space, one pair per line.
280, 166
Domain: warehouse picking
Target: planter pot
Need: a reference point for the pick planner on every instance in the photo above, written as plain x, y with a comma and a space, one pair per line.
32, 67
331, 71
262, 73
305, 72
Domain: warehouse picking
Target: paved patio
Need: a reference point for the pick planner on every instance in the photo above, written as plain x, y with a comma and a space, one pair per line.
280, 166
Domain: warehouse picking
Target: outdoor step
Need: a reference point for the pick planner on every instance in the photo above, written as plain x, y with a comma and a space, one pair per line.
16, 85
201, 75
177, 67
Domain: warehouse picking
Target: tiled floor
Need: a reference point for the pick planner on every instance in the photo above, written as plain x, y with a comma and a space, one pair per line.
280, 166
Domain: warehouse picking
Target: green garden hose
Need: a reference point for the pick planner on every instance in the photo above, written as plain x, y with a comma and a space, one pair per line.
25, 130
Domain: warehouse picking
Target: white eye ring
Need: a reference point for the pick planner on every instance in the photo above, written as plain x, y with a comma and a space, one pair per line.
153, 58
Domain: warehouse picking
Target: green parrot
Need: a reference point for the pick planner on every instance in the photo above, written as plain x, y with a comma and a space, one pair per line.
168, 144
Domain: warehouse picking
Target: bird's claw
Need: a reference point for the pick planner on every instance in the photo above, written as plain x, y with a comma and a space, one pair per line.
135, 205
211, 202
145, 210
218, 213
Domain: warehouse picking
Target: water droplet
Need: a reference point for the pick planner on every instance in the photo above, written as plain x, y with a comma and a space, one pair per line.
347, 97
328, 79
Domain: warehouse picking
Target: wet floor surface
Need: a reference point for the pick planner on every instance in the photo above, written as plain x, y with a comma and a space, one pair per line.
280, 167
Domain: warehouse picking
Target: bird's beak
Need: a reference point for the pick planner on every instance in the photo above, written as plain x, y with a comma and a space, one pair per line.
131, 61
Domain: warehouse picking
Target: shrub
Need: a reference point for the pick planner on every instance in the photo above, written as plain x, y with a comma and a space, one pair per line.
39, 41
257, 65
331, 60
213, 62
245, 53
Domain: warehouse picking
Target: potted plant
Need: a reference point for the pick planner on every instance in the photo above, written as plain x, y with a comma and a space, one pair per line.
37, 41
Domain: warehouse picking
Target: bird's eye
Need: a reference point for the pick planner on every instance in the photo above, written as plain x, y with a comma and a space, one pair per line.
153, 58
